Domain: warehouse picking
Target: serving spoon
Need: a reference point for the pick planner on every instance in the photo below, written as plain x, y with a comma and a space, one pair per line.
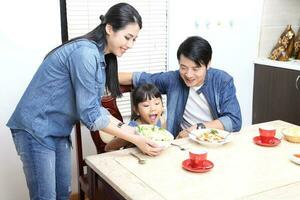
141, 160
179, 146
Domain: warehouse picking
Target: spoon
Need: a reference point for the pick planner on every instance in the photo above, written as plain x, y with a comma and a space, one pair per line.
141, 160
180, 147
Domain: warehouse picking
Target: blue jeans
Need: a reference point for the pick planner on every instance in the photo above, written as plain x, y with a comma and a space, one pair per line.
48, 172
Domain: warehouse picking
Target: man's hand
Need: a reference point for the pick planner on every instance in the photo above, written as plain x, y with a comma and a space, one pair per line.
185, 133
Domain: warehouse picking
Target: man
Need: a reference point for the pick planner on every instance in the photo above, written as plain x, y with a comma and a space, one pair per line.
198, 96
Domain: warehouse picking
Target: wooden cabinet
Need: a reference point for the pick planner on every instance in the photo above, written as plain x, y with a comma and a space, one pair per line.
276, 94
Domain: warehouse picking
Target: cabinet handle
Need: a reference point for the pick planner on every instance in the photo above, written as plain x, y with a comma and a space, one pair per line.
297, 79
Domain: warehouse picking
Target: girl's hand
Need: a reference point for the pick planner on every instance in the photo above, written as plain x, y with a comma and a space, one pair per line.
147, 146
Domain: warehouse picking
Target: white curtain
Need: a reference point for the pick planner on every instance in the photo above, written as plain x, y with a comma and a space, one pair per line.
149, 52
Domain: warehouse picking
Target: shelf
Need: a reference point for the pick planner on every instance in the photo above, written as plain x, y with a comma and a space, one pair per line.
291, 64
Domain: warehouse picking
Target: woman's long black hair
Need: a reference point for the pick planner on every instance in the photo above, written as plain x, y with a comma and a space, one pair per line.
118, 16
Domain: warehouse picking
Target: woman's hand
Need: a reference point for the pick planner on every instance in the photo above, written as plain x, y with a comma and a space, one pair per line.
147, 146
127, 133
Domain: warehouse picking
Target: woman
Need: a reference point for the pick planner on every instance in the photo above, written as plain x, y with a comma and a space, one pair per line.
68, 87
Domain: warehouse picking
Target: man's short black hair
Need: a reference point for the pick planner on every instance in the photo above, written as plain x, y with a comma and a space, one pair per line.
196, 49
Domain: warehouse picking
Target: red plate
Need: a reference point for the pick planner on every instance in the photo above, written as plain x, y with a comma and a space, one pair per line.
274, 142
207, 165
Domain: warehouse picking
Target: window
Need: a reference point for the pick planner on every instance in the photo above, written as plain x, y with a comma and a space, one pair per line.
149, 52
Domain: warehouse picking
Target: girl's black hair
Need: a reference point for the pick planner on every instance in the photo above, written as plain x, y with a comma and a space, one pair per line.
196, 49
143, 93
118, 16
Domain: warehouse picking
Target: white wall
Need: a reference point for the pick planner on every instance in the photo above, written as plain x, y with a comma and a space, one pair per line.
232, 27
28, 30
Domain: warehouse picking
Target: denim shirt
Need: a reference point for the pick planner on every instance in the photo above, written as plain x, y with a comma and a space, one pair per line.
67, 87
218, 89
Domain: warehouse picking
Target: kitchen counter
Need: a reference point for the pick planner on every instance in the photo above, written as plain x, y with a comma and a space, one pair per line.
292, 64
276, 91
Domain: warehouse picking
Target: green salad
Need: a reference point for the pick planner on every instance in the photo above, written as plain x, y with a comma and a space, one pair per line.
155, 133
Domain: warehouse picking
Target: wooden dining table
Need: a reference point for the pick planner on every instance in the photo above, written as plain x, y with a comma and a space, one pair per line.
242, 170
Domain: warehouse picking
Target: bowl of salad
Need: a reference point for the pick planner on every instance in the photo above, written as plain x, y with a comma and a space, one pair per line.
159, 135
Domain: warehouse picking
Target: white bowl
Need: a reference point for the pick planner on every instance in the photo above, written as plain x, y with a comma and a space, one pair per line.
292, 134
159, 135
295, 158
208, 138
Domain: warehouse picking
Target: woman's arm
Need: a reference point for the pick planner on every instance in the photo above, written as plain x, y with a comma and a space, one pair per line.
127, 133
125, 78
116, 144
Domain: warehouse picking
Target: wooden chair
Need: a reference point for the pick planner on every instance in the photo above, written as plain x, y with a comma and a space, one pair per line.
110, 104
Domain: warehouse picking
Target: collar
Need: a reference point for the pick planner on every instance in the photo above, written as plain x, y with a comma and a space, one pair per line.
203, 86
101, 51
100, 47
196, 88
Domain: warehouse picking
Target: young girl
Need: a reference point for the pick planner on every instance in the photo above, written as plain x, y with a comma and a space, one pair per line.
147, 109
66, 88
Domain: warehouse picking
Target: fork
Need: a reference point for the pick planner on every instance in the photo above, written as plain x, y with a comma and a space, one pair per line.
179, 146
226, 136
140, 160
190, 133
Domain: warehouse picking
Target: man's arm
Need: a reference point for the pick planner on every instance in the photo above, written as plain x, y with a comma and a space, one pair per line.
212, 124
125, 78
230, 112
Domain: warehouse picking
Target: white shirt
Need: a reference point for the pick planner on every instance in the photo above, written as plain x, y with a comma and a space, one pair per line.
196, 109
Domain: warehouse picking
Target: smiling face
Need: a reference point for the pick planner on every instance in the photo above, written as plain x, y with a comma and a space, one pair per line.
118, 42
150, 110
192, 74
